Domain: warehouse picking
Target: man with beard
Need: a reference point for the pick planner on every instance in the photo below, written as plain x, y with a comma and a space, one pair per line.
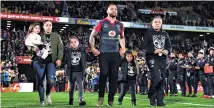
157, 45
111, 33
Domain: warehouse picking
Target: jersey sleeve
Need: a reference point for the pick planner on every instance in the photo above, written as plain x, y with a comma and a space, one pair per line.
98, 27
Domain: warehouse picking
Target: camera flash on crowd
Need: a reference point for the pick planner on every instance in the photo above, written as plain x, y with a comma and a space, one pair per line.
61, 29
66, 25
201, 35
208, 33
8, 26
8, 21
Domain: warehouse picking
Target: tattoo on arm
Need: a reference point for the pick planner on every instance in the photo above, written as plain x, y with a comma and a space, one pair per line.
91, 39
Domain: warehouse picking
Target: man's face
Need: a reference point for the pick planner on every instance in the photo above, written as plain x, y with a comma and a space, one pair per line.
157, 23
74, 43
48, 27
112, 11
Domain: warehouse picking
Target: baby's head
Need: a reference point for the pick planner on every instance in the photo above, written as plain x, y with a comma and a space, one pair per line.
34, 28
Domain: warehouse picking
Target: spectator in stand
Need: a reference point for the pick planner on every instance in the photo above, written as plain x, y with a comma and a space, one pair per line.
23, 78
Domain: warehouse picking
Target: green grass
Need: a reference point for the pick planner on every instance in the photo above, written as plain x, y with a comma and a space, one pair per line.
60, 100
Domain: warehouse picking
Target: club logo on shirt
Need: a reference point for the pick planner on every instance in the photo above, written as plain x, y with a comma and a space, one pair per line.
112, 33
105, 25
130, 70
159, 41
75, 58
48, 47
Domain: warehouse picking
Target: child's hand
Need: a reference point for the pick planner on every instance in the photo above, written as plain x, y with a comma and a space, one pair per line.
36, 49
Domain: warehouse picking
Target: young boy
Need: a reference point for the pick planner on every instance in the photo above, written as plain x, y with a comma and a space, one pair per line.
75, 60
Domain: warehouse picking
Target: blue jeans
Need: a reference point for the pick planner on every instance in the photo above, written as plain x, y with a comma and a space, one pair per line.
47, 70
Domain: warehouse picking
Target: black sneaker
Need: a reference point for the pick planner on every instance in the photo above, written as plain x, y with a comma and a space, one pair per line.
161, 104
153, 105
71, 102
152, 101
188, 95
134, 103
82, 103
110, 103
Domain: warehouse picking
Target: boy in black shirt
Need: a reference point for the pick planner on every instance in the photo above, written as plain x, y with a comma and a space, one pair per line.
75, 60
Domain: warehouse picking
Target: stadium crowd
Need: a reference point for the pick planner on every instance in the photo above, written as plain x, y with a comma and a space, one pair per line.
128, 11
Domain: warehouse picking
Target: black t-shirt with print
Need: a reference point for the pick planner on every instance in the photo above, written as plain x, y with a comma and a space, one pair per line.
131, 73
48, 47
76, 60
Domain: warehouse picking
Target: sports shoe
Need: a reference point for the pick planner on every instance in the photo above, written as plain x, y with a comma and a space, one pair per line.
188, 95
212, 96
194, 95
48, 100
42, 103
100, 101
82, 103
71, 102
134, 103
110, 103
161, 104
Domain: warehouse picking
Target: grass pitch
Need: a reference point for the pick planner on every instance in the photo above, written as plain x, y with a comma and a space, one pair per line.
60, 100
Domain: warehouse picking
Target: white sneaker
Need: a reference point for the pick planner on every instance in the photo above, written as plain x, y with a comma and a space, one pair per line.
213, 96
42, 103
48, 100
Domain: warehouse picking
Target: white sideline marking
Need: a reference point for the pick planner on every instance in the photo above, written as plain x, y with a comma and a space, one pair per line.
175, 102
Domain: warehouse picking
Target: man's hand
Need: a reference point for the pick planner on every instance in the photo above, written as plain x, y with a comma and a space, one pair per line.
95, 51
58, 62
122, 52
157, 51
165, 52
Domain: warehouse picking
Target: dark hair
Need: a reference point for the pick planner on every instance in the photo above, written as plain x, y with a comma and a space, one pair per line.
46, 21
156, 17
74, 37
111, 4
125, 60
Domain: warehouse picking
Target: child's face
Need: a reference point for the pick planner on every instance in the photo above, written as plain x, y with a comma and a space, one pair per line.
180, 56
129, 57
36, 29
172, 55
74, 43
